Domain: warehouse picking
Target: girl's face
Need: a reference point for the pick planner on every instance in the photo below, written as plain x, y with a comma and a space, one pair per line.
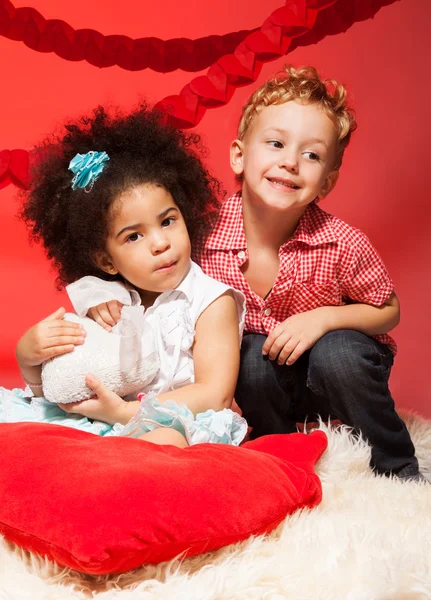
148, 242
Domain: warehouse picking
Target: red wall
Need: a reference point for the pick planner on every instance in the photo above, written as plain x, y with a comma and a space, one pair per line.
382, 187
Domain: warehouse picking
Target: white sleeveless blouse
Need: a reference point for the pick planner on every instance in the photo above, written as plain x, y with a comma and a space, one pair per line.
173, 318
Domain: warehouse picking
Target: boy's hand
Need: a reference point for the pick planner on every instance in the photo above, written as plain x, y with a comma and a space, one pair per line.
106, 314
51, 337
295, 335
106, 406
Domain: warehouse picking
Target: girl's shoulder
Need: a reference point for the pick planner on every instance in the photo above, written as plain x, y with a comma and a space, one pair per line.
201, 290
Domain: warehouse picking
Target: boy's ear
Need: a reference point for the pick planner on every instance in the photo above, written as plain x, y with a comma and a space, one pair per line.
236, 157
329, 184
104, 262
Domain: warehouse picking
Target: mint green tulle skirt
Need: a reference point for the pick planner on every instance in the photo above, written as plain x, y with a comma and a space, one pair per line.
217, 427
214, 427
17, 407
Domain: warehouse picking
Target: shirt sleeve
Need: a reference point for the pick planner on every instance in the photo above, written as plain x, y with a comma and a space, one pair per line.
87, 292
365, 278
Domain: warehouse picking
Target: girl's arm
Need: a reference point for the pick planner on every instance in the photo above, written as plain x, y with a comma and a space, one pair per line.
216, 365
49, 338
216, 359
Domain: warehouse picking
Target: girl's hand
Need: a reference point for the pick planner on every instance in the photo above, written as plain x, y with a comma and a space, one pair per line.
106, 314
295, 335
106, 406
49, 338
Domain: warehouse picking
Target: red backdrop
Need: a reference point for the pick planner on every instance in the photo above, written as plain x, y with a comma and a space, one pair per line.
382, 188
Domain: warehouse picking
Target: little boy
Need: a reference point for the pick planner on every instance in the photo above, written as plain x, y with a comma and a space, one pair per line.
320, 302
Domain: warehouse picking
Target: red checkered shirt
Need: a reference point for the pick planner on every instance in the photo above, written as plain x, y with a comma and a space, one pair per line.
325, 263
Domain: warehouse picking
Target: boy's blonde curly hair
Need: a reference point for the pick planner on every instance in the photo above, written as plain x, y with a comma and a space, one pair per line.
304, 85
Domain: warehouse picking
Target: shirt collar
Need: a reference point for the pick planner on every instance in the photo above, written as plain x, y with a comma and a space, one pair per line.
186, 286
315, 227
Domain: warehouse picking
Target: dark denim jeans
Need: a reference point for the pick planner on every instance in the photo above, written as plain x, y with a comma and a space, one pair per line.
344, 376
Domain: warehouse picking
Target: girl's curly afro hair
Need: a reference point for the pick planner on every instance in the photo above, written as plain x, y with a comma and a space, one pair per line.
72, 224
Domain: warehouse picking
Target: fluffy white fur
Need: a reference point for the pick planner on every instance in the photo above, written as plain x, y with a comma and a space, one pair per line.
370, 539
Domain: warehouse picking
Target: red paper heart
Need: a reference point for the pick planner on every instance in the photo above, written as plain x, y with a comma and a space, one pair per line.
293, 21
18, 168
4, 162
183, 110
263, 47
237, 73
319, 4
14, 168
210, 94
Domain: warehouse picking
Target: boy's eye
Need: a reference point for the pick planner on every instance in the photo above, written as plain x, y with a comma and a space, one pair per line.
275, 144
168, 221
312, 155
133, 237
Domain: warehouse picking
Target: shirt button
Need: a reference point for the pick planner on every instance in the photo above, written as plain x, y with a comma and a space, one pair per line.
267, 312
241, 254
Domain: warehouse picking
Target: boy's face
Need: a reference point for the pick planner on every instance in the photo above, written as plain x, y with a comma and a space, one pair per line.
286, 157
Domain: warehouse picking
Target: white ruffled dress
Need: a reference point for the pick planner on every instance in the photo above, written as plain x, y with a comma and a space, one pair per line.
172, 317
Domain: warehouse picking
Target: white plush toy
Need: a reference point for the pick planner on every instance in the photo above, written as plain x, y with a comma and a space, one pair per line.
125, 360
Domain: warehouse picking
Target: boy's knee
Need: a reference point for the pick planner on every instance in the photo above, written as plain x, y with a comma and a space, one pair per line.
251, 346
343, 355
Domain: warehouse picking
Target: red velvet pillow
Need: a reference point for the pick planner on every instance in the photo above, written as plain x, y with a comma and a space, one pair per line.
106, 505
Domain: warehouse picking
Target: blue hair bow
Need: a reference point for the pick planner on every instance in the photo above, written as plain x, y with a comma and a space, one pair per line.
87, 168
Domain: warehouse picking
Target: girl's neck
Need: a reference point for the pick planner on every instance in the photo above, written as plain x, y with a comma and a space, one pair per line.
148, 298
268, 228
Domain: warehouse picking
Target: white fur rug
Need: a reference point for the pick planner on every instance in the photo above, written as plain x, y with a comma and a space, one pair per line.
370, 539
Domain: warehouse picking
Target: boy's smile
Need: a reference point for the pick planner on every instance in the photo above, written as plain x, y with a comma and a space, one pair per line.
283, 183
286, 156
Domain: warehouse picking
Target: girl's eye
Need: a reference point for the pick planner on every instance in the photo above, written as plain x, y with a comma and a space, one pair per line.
133, 237
312, 156
168, 221
275, 144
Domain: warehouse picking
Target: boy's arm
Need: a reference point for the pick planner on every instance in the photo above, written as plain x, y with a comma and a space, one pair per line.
372, 305
368, 319
289, 340
372, 308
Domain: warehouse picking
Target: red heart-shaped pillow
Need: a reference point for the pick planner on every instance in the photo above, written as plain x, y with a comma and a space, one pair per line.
106, 505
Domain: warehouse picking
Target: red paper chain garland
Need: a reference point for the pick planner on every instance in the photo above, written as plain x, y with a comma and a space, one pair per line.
294, 24
299, 22
53, 35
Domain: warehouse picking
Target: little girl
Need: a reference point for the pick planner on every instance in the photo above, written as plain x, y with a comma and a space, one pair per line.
119, 199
